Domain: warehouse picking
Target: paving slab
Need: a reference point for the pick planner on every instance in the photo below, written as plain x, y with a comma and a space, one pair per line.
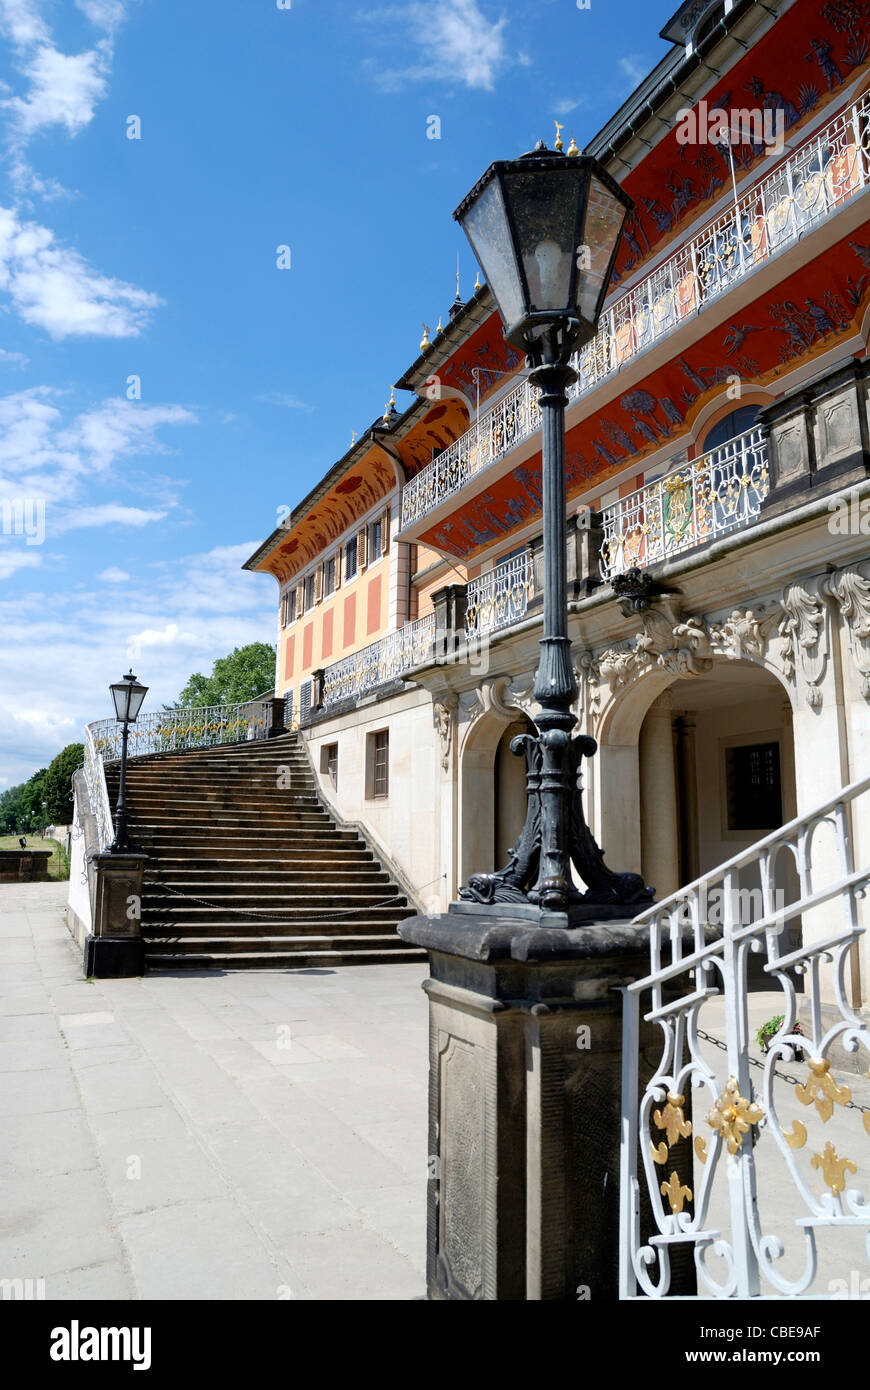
157, 1139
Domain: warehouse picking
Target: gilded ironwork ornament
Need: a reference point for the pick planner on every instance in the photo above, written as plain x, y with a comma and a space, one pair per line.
833, 1168
732, 1115
676, 1192
795, 1137
672, 1120
821, 1089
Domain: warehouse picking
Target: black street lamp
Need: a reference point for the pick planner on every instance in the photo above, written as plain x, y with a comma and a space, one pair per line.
546, 229
127, 696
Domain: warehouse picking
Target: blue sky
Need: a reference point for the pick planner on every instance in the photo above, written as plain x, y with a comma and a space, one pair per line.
155, 258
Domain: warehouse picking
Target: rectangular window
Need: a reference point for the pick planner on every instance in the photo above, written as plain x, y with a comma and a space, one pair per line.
380, 755
754, 788
308, 592
350, 563
329, 762
304, 700
329, 578
288, 607
376, 532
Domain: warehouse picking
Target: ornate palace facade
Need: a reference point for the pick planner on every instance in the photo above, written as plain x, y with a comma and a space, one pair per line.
718, 462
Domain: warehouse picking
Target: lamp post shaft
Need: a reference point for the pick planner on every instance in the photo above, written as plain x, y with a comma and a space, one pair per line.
121, 805
555, 686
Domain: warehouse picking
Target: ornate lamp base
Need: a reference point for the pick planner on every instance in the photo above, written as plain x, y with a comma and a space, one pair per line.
520, 883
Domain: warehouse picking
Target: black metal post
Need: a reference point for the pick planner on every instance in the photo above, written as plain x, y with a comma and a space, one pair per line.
121, 843
555, 686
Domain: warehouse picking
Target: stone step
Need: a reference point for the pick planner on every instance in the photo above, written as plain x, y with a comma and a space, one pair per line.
291, 960
310, 890
207, 920
324, 941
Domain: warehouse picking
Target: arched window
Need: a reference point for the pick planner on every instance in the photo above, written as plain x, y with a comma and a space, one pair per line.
737, 422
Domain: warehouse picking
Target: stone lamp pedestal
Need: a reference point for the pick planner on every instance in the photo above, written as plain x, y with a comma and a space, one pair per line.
525, 1020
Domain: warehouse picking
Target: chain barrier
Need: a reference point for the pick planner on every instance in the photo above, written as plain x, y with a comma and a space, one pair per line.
782, 1075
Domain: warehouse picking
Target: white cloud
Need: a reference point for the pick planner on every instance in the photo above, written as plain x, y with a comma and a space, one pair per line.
288, 402
51, 286
106, 514
64, 89
455, 41
634, 67
171, 636
565, 105
180, 614
104, 14
13, 359
12, 560
21, 22
44, 455
113, 575
119, 428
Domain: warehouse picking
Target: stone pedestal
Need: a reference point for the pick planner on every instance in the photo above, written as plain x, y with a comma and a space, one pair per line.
114, 948
524, 1100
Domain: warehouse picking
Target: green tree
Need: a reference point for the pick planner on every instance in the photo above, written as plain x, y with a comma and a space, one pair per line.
33, 817
12, 809
57, 788
245, 673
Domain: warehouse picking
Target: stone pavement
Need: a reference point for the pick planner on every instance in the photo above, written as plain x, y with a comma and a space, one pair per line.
260, 1135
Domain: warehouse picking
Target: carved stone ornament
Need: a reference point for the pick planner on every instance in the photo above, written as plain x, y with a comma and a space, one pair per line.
444, 712
851, 591
803, 632
499, 697
743, 636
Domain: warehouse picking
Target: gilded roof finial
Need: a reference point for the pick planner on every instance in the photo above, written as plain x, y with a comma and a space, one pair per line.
572, 149
438, 328
424, 342
477, 284
386, 415
558, 145
352, 438
392, 398
457, 275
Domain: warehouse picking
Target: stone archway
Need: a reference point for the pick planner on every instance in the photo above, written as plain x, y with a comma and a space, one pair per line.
668, 745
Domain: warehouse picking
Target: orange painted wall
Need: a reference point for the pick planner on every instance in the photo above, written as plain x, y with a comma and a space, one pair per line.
351, 618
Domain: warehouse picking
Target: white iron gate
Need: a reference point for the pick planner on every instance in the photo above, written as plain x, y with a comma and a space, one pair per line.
750, 1164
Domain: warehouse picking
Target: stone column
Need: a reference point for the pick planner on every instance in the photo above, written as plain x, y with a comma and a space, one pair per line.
688, 784
524, 1102
115, 947
449, 605
660, 845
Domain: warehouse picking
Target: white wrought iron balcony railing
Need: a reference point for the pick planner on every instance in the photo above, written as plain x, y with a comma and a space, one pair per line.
379, 663
707, 497
815, 181
499, 598
164, 731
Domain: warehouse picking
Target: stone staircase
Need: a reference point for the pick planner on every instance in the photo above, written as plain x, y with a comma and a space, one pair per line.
247, 869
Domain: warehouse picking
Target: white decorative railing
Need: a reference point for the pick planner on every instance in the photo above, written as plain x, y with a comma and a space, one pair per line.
379, 663
719, 492
500, 597
815, 181
95, 776
170, 730
771, 1137
515, 417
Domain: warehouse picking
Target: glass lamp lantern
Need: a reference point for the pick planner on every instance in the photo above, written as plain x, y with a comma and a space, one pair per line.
127, 696
546, 228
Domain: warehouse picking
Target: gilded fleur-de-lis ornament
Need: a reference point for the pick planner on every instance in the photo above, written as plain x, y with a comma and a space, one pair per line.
674, 1123
732, 1115
821, 1089
676, 1192
833, 1168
